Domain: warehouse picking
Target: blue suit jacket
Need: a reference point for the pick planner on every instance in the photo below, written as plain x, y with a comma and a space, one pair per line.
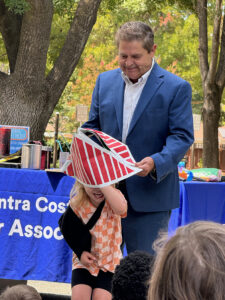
161, 127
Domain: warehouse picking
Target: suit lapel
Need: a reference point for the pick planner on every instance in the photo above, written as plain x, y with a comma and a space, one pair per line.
118, 96
154, 81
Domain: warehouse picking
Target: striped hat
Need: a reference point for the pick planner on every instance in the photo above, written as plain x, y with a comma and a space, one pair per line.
98, 161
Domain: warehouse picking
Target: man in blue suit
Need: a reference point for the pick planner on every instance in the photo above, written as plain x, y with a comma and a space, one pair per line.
149, 109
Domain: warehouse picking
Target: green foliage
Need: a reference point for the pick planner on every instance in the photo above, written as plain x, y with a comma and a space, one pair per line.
131, 10
17, 6
101, 41
109, 5
184, 5
60, 27
177, 40
63, 13
181, 5
67, 112
62, 7
3, 57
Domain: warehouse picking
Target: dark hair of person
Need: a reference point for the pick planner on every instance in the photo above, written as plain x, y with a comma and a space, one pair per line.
136, 30
20, 292
191, 264
131, 277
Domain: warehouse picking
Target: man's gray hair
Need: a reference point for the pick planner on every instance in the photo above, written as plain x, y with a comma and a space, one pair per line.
136, 30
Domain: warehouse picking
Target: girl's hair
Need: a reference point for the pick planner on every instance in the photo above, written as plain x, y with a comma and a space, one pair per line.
191, 264
138, 31
20, 292
78, 195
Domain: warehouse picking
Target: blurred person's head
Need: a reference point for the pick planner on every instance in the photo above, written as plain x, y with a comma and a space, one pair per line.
131, 277
20, 292
191, 264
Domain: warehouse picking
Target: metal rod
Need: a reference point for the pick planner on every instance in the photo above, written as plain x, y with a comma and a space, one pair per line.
55, 139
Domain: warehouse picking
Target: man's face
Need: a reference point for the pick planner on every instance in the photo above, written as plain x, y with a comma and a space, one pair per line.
134, 60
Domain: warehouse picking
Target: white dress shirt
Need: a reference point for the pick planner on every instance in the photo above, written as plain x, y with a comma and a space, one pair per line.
132, 94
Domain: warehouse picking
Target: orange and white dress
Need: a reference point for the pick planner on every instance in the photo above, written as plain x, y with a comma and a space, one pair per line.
106, 239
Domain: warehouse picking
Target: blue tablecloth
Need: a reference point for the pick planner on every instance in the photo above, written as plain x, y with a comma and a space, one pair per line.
31, 202
199, 201
31, 245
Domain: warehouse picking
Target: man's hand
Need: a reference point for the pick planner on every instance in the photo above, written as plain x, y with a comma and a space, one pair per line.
87, 259
147, 165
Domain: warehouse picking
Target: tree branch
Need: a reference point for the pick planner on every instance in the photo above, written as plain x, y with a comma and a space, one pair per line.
10, 25
220, 76
215, 42
34, 40
84, 19
203, 38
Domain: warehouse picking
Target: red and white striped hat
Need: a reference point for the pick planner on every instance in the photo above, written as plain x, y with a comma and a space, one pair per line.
98, 165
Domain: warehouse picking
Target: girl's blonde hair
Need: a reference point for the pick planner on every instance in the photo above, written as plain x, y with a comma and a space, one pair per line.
78, 195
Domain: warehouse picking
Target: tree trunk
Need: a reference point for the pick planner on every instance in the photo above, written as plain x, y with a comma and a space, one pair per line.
213, 79
27, 96
211, 116
24, 93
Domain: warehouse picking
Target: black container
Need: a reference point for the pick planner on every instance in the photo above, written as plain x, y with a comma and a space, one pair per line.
5, 136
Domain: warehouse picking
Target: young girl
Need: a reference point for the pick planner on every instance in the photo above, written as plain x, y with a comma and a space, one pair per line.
92, 274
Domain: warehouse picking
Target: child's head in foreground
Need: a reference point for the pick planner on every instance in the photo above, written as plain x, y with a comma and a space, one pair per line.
131, 277
191, 264
20, 292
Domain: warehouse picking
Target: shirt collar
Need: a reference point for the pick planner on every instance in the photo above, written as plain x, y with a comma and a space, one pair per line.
142, 79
